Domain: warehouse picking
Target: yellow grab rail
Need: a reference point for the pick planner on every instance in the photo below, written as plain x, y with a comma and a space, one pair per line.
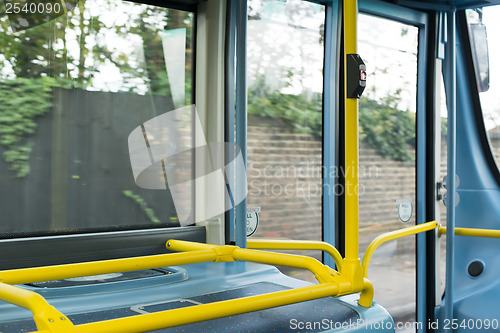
58, 272
277, 244
472, 232
48, 319
392, 236
416, 230
322, 272
197, 313
351, 266
332, 283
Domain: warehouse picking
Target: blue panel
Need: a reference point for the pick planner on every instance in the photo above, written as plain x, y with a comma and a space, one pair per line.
477, 209
479, 310
475, 297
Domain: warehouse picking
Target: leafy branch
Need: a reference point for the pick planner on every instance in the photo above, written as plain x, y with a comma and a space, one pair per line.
21, 102
299, 112
386, 128
142, 204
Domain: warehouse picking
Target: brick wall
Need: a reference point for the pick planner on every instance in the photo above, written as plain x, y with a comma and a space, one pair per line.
284, 179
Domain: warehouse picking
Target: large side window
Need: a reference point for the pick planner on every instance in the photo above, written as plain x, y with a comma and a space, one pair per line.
73, 87
482, 25
285, 79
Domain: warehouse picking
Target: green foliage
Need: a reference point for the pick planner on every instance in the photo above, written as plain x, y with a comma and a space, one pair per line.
36, 59
444, 127
386, 128
299, 112
142, 204
21, 102
382, 125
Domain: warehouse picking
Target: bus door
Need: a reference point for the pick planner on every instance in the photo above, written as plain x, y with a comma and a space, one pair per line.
392, 153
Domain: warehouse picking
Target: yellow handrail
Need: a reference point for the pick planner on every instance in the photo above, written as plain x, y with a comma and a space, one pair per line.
57, 272
351, 138
416, 230
48, 319
332, 283
392, 236
322, 272
351, 266
197, 313
278, 244
472, 232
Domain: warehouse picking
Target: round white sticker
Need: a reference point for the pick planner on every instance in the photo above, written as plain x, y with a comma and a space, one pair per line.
405, 211
252, 223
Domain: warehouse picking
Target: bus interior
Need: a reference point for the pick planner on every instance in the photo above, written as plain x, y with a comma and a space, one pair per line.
249, 166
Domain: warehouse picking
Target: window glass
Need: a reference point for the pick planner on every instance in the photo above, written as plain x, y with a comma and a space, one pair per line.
489, 83
285, 79
443, 170
387, 173
73, 87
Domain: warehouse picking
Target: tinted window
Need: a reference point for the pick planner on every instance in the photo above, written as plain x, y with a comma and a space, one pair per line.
73, 87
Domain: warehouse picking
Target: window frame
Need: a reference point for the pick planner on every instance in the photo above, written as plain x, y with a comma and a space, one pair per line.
91, 245
237, 121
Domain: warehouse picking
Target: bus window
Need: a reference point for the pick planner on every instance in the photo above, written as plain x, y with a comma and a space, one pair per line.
285, 80
443, 169
72, 89
488, 16
387, 172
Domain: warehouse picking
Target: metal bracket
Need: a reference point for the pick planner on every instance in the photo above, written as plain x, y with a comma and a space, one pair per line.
443, 184
439, 195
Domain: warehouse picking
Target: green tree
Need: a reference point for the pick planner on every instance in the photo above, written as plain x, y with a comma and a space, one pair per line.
72, 49
156, 74
22, 101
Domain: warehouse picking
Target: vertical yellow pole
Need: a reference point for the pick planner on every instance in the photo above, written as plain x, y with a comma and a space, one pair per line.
352, 263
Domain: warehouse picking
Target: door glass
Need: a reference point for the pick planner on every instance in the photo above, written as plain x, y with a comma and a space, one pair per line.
285, 79
387, 171
443, 169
